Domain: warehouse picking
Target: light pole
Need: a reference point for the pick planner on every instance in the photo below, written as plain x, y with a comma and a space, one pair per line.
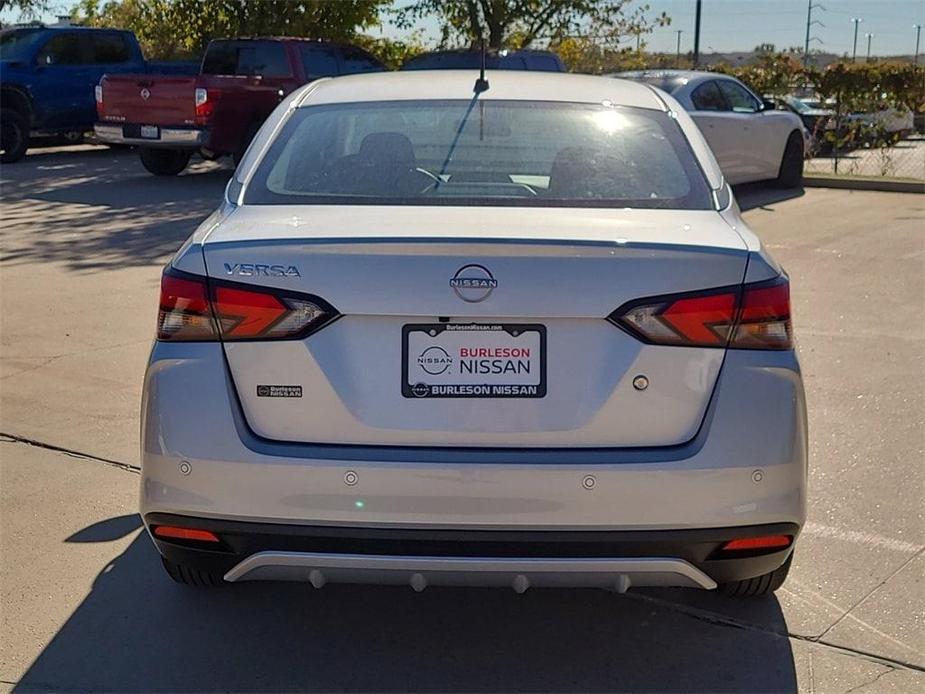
696, 59
854, 51
677, 61
869, 37
918, 35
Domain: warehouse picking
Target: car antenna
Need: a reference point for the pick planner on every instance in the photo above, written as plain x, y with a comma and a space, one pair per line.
481, 84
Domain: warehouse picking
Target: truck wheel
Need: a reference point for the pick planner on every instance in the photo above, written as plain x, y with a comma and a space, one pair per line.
189, 576
791, 164
164, 162
14, 136
759, 585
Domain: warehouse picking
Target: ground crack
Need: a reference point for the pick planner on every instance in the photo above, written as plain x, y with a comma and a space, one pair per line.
873, 681
13, 438
722, 620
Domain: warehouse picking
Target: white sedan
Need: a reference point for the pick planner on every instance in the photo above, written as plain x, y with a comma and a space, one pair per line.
752, 141
449, 332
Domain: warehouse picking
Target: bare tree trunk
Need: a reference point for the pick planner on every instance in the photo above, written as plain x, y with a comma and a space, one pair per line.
475, 22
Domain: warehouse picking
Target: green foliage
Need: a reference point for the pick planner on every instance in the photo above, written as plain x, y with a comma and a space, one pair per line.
856, 87
773, 74
182, 28
519, 23
587, 56
393, 54
871, 86
28, 9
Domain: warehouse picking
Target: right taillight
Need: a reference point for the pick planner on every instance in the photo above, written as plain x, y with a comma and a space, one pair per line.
204, 102
764, 317
193, 309
753, 316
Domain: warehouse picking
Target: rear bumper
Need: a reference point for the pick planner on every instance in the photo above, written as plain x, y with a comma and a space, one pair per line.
518, 558
746, 466
169, 137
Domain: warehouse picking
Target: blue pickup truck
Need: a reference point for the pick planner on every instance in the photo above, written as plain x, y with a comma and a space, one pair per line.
48, 76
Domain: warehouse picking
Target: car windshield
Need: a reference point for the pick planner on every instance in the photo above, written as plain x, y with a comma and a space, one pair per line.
798, 105
480, 152
15, 43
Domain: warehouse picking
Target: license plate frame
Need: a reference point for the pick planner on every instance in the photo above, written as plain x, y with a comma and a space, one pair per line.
422, 389
150, 132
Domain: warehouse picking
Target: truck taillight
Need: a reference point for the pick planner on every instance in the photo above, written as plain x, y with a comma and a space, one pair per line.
204, 100
755, 316
98, 93
192, 310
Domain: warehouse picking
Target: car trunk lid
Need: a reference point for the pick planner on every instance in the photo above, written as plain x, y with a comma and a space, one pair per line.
538, 305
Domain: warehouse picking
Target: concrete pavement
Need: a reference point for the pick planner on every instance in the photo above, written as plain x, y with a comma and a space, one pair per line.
85, 604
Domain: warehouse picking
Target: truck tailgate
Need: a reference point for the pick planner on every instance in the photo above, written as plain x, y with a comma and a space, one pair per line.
148, 99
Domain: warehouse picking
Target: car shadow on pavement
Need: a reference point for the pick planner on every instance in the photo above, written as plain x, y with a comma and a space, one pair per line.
752, 195
138, 631
99, 209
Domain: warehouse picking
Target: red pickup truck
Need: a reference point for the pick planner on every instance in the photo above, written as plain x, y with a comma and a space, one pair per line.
218, 111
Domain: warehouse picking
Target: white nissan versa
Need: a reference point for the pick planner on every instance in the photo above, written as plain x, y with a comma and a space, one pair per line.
449, 332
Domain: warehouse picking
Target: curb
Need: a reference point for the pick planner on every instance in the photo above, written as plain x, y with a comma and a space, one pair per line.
879, 184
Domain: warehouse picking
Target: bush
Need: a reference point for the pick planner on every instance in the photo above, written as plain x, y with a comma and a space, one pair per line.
857, 87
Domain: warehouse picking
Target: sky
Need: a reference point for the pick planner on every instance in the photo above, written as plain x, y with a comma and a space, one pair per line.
731, 25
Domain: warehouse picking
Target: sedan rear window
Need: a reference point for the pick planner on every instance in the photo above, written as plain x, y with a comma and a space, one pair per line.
480, 152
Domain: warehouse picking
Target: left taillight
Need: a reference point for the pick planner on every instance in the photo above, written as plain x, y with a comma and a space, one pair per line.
185, 314
753, 316
193, 309
98, 94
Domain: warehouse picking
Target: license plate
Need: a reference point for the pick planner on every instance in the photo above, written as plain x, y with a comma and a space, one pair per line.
473, 360
150, 132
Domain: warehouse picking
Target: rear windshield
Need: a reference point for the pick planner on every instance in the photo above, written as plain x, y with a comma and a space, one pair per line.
480, 152
667, 83
246, 58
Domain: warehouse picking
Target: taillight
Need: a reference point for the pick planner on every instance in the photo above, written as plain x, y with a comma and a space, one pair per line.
185, 314
98, 93
204, 100
752, 546
192, 310
173, 532
756, 316
764, 542
764, 318
244, 314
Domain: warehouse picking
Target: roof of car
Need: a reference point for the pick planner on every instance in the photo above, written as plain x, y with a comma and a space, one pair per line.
676, 77
679, 74
458, 84
490, 51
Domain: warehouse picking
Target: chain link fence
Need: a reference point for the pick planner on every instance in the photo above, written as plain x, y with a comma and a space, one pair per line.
886, 144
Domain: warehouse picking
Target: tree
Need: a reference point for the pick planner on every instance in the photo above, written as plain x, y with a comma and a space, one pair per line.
181, 28
518, 23
27, 8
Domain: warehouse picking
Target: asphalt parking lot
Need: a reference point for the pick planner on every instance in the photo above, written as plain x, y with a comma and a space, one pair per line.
86, 605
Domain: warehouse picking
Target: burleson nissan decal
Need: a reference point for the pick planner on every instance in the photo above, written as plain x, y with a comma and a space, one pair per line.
473, 360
